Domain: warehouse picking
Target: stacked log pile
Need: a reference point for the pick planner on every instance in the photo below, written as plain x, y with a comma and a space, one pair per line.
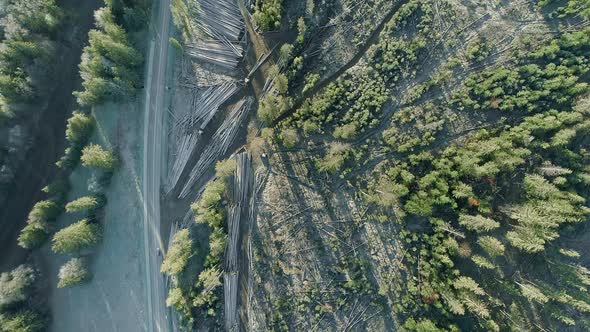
188, 128
239, 211
219, 144
220, 23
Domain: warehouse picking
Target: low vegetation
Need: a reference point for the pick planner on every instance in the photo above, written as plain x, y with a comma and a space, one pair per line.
18, 295
72, 273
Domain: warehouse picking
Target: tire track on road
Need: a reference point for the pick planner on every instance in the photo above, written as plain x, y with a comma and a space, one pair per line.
157, 318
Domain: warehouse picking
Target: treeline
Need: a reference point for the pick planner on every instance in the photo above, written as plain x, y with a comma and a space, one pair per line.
111, 64
199, 295
280, 77
490, 222
77, 238
26, 28
108, 59
494, 200
21, 309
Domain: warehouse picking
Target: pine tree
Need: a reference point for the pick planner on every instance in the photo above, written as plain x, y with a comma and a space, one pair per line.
33, 235
44, 211
479, 224
179, 253
23, 320
80, 126
532, 293
82, 204
94, 155
491, 246
16, 285
77, 236
73, 272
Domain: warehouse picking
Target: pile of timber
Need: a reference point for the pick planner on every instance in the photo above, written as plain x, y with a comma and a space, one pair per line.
226, 55
207, 104
240, 208
219, 144
220, 21
230, 296
204, 109
222, 17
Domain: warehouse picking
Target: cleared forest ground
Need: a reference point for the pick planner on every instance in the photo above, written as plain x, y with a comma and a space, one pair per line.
321, 259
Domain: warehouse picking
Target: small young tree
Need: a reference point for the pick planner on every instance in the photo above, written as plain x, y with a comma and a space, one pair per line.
268, 110
225, 168
468, 284
80, 126
217, 244
301, 30
208, 281
73, 272
207, 208
175, 299
346, 131
33, 235
286, 51
179, 253
482, 262
289, 137
77, 236
94, 155
82, 204
44, 211
532, 293
281, 83
335, 158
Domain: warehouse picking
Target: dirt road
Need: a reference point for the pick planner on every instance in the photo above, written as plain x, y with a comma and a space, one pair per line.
157, 313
